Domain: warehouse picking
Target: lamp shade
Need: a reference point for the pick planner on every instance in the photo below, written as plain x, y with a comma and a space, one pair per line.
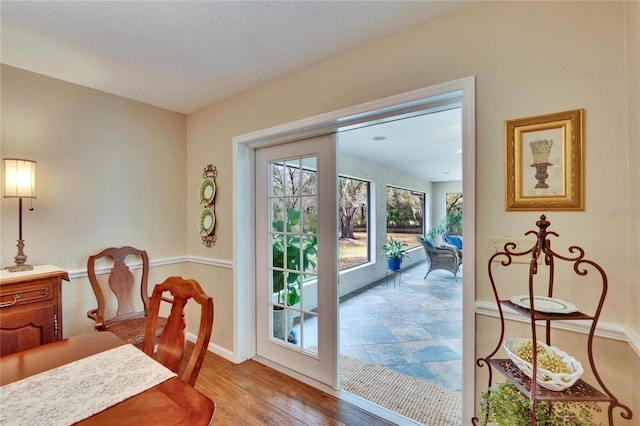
19, 178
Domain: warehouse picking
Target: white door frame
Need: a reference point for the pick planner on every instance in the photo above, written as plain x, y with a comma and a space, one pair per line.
244, 330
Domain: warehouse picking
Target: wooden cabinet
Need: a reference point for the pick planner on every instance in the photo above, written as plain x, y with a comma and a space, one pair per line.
30, 308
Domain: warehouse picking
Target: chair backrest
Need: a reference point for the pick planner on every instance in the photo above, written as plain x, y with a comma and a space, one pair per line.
426, 244
454, 240
171, 343
121, 282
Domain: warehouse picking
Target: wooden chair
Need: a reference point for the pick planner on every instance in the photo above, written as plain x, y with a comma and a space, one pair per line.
128, 324
171, 343
440, 257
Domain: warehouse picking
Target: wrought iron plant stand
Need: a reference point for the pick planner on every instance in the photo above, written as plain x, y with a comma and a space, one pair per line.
542, 256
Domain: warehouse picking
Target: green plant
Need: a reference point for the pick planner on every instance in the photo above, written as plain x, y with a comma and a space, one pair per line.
291, 253
395, 249
450, 224
453, 221
433, 233
505, 405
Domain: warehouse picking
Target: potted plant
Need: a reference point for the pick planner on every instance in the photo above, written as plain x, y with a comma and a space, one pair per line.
395, 252
289, 254
505, 405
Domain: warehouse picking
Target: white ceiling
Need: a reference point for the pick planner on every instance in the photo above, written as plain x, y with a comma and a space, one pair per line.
427, 146
184, 55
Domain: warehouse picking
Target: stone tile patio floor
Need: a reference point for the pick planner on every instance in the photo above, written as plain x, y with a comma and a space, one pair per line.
414, 328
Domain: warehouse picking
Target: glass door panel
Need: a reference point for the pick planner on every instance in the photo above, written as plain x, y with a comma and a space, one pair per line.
296, 262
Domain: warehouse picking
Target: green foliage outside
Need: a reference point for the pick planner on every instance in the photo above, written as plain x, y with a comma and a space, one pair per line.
453, 216
405, 209
292, 253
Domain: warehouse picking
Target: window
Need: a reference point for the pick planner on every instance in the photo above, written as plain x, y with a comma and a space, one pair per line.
405, 215
453, 218
353, 208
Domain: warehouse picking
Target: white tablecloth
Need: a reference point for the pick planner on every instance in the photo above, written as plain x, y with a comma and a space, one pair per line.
75, 391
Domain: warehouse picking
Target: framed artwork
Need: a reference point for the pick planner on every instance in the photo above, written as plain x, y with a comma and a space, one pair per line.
544, 162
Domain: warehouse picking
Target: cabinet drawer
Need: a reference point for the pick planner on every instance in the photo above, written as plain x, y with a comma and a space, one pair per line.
22, 294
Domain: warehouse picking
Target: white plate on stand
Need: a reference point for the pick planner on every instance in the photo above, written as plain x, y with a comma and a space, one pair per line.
545, 304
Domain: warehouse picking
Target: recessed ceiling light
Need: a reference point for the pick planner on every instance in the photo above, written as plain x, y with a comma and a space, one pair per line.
459, 151
379, 138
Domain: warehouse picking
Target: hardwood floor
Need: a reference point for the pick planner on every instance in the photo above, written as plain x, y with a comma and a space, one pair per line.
254, 394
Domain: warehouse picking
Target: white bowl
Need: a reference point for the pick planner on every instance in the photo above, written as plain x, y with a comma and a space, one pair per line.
545, 378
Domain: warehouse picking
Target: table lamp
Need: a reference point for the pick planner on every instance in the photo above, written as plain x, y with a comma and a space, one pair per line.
19, 182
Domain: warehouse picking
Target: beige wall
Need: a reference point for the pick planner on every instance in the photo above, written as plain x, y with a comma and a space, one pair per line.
529, 58
110, 172
632, 24
113, 171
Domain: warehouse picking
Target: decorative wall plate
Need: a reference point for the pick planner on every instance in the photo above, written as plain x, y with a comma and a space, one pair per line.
207, 221
207, 191
545, 304
207, 195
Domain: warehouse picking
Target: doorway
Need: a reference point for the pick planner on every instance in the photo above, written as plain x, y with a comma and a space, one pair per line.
245, 238
409, 167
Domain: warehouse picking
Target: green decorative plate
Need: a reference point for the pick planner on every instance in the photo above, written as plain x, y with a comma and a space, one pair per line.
207, 191
207, 221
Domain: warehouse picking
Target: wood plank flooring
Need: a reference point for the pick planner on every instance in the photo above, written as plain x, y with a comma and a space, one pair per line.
253, 394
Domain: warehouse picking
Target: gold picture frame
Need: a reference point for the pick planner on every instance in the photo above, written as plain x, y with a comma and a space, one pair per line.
544, 162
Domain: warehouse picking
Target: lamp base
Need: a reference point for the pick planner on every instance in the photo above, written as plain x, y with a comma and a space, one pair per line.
19, 268
20, 258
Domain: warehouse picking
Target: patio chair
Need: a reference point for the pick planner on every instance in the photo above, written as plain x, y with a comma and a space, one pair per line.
453, 242
440, 257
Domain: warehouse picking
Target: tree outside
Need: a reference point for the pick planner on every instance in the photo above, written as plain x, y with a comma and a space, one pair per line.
353, 195
353, 201
405, 210
405, 215
453, 218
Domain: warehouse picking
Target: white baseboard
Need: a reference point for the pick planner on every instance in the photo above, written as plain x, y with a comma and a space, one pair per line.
218, 350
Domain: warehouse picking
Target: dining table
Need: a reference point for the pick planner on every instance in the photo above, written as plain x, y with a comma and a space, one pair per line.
95, 379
